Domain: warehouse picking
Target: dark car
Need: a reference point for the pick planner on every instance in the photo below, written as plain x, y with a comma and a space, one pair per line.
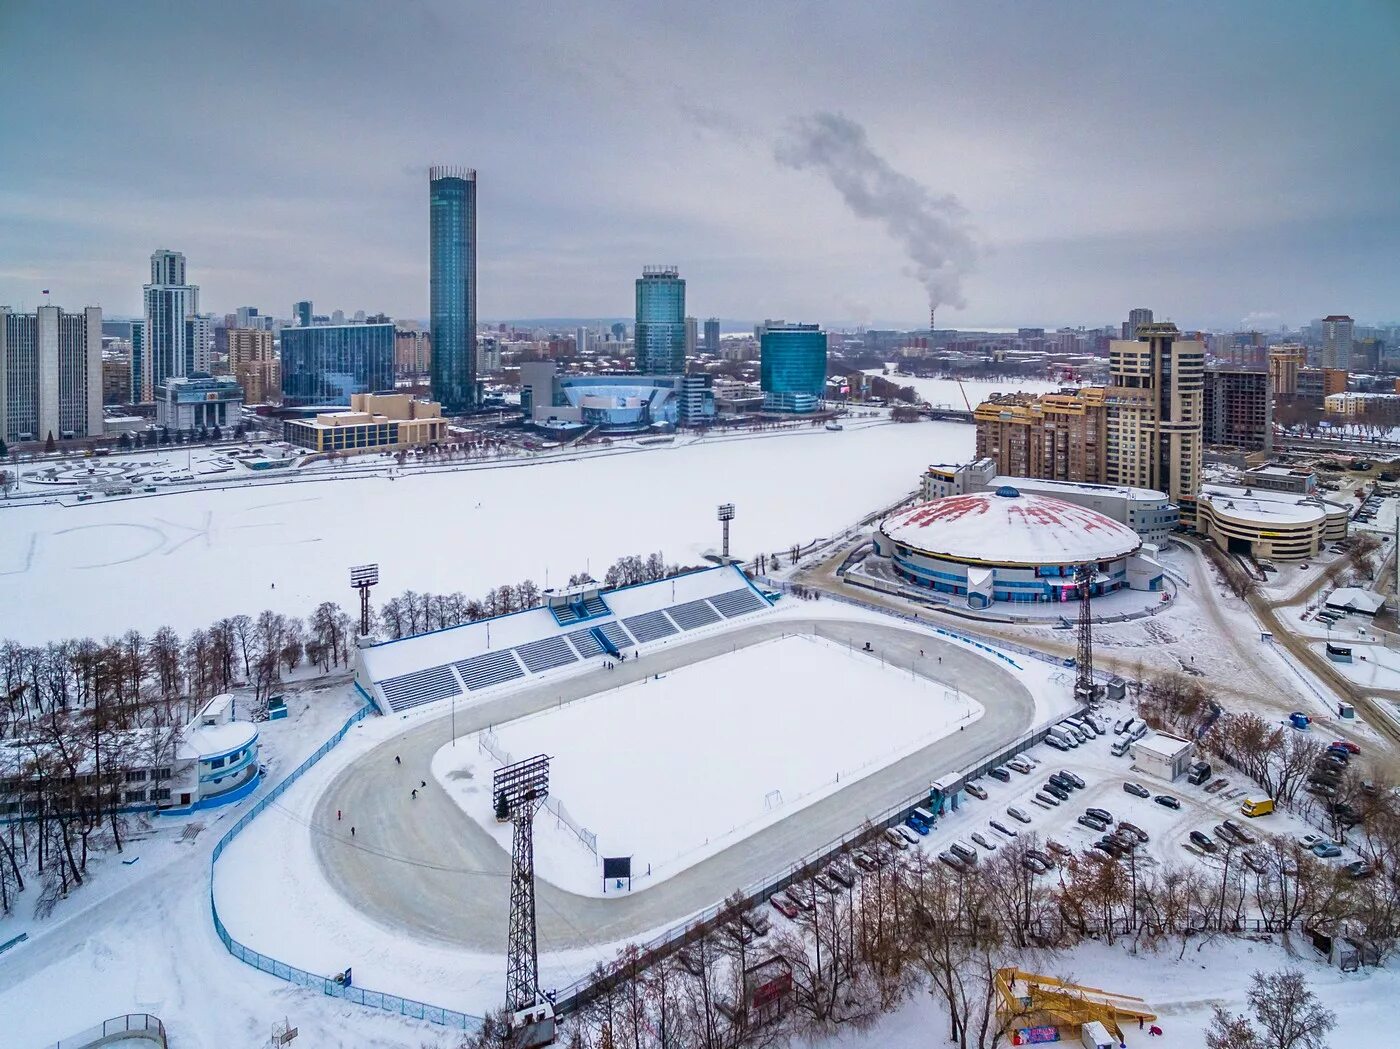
1000, 773
1057, 792
1358, 869
1059, 780
1092, 823
1203, 842
1134, 830
1167, 800
1102, 814
1074, 780
1057, 848
952, 861
1137, 790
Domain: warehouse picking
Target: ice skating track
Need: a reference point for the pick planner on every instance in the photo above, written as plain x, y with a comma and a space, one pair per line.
424, 867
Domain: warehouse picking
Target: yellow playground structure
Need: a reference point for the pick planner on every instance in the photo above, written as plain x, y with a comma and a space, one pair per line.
1031, 1005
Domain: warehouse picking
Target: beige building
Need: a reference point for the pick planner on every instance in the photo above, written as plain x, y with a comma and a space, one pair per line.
1284, 364
413, 354
1276, 525
1379, 408
253, 362
374, 423
1055, 436
1155, 414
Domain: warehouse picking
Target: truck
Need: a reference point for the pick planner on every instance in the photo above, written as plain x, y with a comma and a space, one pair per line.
1252, 807
1094, 1035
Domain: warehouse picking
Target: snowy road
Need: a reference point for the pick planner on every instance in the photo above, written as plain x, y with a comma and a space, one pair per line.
426, 869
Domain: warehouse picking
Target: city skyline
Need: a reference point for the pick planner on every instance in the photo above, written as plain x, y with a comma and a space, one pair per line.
1230, 195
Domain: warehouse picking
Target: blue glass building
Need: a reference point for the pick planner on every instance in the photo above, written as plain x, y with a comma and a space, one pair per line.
660, 331
452, 276
792, 367
325, 364
303, 313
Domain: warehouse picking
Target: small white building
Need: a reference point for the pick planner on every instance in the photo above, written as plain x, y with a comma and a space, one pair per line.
1355, 599
1163, 754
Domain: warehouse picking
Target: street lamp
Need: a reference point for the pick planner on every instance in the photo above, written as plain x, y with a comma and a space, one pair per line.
726, 514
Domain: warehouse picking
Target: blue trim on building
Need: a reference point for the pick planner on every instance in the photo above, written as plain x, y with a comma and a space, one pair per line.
237, 794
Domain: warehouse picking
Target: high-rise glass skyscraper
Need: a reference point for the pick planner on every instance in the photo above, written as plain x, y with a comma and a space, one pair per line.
712, 335
171, 345
452, 275
660, 331
327, 363
302, 312
792, 367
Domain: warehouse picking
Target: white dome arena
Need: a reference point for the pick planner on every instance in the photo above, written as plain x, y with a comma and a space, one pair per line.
1010, 527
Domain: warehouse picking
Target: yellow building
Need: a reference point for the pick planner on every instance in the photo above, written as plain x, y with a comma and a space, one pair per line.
374, 423
1055, 436
1285, 362
253, 362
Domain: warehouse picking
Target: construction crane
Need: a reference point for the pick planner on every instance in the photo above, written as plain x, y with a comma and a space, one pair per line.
1030, 1000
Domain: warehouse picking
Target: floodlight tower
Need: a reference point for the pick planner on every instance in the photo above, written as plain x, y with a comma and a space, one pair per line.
1084, 660
726, 514
518, 791
362, 577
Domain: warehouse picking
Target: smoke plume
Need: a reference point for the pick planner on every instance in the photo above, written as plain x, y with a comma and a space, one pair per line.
932, 229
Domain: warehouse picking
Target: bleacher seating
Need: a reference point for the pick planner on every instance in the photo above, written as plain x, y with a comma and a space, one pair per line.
585, 642
579, 611
649, 626
693, 614
422, 686
615, 633
490, 668
737, 603
546, 654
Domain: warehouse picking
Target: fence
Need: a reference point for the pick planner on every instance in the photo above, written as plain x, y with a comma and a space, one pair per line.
487, 742
137, 1025
326, 985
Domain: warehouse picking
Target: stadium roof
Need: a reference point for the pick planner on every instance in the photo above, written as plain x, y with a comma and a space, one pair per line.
1008, 526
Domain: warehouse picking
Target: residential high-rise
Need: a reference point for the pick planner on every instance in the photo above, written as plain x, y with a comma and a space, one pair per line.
659, 339
792, 367
692, 337
50, 374
1336, 341
326, 363
137, 394
1054, 436
413, 353
1155, 415
1237, 407
452, 286
172, 345
580, 340
302, 313
712, 335
246, 317
1285, 362
253, 363
1136, 318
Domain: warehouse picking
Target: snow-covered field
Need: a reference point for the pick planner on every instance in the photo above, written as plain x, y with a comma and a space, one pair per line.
946, 391
1374, 666
621, 758
188, 558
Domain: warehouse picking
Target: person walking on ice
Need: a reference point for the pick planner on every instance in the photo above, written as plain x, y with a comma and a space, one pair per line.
415, 793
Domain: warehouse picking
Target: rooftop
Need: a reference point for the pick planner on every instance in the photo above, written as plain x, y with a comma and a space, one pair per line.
1031, 484
1263, 504
1008, 526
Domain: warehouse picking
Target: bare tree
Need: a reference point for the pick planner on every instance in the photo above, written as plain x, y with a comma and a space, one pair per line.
1288, 1012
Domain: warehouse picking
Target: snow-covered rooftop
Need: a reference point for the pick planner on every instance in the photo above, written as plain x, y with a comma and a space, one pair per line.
1008, 526
207, 741
1356, 599
1162, 745
1262, 504
1035, 484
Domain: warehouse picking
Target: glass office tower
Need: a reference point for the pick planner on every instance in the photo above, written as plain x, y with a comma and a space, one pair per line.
660, 331
792, 367
452, 273
325, 364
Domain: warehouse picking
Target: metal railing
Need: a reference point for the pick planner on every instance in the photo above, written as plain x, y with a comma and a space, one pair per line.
137, 1025
282, 970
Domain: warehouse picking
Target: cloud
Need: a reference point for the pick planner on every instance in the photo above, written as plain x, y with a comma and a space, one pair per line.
932, 228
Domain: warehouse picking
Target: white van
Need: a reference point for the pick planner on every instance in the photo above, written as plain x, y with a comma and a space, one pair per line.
1084, 726
1139, 730
1074, 730
1120, 746
1062, 735
1130, 726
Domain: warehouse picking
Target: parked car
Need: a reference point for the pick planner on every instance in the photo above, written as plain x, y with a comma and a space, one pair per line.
1203, 842
1057, 848
1050, 741
1199, 773
1034, 864
784, 906
952, 861
1309, 840
896, 839
1137, 790
840, 873
980, 793
984, 841
1017, 814
1002, 828
1347, 745
1102, 814
1239, 832
1358, 869
1059, 780
865, 861
963, 851
1106, 848
1326, 850
1092, 823
1253, 861
1226, 835
1045, 799
1134, 830
1000, 773
757, 923
1055, 791
1023, 767
1167, 800
1074, 779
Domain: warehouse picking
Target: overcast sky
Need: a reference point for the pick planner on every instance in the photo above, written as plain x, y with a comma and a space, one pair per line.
1215, 160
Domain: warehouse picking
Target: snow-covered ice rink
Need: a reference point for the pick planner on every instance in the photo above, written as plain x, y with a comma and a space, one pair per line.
746, 738
188, 558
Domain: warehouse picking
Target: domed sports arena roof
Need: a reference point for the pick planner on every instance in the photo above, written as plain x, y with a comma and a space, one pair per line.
1011, 527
